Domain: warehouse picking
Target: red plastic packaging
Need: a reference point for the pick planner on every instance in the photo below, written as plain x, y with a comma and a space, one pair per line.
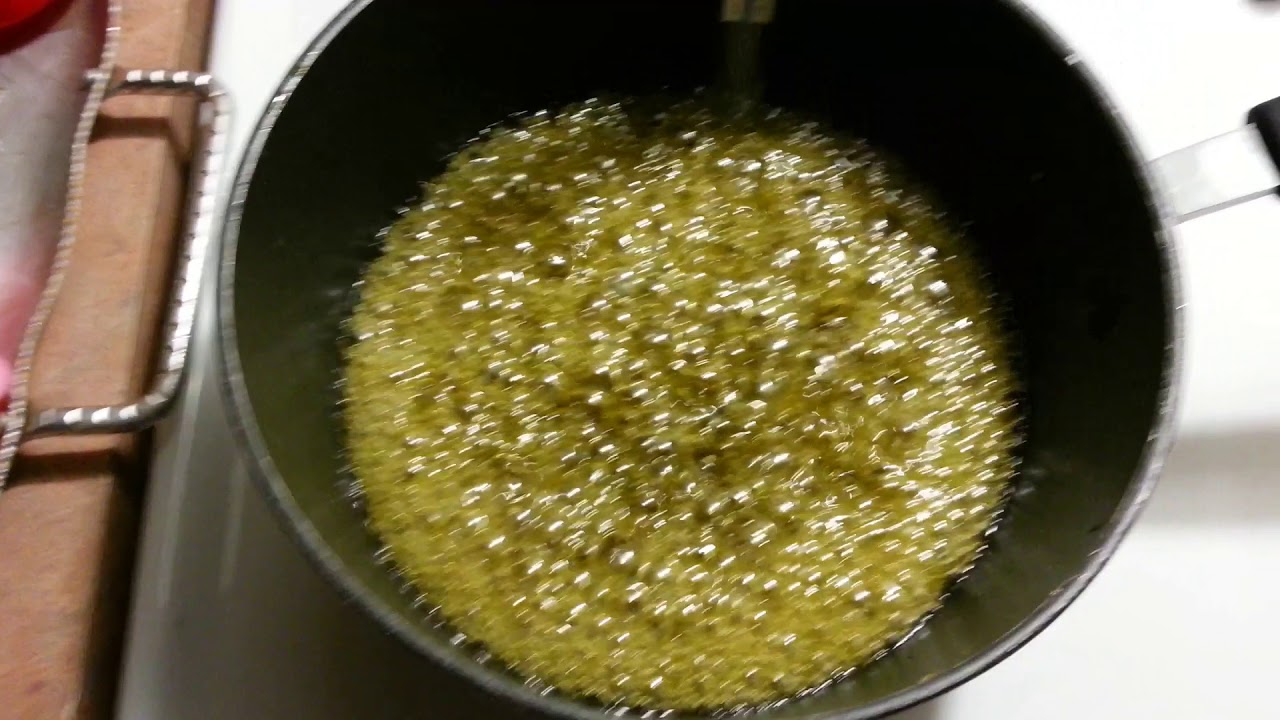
13, 12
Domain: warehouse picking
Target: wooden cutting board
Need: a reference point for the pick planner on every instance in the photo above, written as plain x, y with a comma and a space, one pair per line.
69, 518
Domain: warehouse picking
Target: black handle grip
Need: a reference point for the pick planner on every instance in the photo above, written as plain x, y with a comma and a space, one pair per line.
1266, 118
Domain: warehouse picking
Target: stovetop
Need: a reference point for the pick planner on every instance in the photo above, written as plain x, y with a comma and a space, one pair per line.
230, 621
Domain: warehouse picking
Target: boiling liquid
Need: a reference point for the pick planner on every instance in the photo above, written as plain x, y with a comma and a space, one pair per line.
676, 411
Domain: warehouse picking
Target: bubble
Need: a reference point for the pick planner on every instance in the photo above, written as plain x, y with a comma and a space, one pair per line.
632, 392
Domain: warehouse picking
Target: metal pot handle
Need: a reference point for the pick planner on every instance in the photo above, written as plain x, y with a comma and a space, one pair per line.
1226, 170
197, 231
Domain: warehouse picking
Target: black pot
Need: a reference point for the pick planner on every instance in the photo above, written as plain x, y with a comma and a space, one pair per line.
979, 99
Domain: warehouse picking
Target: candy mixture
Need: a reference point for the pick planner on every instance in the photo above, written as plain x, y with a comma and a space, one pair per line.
674, 410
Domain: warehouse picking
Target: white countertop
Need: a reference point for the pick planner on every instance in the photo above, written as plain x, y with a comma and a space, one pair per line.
231, 622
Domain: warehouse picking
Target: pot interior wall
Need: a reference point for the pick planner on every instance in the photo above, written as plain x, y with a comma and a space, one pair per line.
970, 95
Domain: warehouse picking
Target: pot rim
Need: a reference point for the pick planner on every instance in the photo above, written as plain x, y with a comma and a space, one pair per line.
245, 428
